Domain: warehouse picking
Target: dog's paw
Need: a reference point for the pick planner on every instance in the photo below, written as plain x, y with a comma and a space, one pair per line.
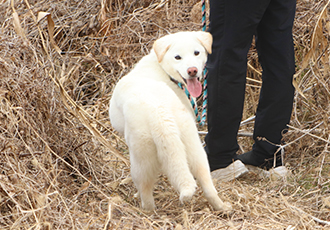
148, 206
136, 195
227, 207
223, 207
186, 194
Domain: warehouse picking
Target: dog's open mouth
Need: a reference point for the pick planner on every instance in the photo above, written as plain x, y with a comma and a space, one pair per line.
194, 86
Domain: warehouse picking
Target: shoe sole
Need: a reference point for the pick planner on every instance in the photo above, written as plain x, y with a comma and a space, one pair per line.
273, 173
231, 172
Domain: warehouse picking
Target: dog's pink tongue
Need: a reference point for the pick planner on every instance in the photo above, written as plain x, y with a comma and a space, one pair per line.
194, 87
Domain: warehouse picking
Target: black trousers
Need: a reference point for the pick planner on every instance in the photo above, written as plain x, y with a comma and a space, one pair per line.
233, 23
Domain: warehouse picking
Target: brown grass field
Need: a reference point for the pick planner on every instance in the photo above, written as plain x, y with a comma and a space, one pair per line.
62, 166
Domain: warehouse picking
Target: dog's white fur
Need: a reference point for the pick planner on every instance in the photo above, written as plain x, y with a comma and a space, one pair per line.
158, 122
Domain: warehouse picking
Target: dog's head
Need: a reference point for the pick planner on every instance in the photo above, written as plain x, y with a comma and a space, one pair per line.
183, 56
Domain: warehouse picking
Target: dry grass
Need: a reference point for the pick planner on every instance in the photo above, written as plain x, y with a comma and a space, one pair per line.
63, 167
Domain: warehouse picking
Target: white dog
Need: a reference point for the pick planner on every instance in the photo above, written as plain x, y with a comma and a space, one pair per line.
158, 121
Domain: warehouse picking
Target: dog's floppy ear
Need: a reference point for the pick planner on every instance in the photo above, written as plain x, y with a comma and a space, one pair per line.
160, 47
206, 39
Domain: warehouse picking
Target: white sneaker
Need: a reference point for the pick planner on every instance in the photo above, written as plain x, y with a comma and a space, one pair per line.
279, 172
273, 173
232, 171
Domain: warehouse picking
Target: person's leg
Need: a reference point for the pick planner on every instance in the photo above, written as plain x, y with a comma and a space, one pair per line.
276, 55
232, 25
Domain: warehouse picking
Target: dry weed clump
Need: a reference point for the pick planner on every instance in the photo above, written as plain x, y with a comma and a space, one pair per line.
63, 167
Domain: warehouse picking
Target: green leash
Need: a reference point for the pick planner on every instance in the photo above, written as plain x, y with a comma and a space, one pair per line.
201, 121
192, 102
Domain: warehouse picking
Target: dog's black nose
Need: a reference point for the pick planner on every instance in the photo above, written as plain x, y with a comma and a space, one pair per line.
192, 71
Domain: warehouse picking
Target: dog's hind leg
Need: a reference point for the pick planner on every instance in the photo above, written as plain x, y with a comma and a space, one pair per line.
172, 156
200, 169
144, 171
143, 153
175, 166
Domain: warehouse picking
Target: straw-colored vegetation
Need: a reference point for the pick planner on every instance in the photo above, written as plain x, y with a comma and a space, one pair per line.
63, 167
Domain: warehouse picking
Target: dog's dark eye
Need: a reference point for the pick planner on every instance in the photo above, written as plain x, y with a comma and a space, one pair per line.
196, 53
177, 57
